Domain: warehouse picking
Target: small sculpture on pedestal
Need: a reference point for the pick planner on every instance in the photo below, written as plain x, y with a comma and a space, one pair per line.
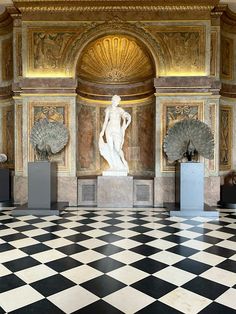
3, 158
116, 122
48, 138
188, 138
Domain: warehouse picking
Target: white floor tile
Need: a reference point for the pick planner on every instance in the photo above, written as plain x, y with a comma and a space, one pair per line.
128, 274
128, 300
35, 273
228, 298
81, 274
73, 299
174, 275
221, 276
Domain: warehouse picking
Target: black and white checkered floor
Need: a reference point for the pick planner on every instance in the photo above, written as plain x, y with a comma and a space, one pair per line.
117, 261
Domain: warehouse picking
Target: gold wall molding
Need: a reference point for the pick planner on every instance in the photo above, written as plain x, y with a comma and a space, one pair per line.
172, 112
5, 23
214, 53
212, 125
54, 111
226, 131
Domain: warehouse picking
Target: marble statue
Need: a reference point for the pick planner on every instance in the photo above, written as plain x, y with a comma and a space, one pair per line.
116, 122
188, 138
48, 138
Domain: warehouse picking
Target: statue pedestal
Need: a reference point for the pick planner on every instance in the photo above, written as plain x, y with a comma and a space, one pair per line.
189, 192
42, 191
115, 173
115, 191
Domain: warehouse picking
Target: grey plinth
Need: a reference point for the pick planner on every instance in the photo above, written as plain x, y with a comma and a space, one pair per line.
190, 186
42, 184
189, 192
115, 191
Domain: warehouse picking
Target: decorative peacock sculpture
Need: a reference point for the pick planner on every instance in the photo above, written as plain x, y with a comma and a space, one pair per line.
48, 138
187, 138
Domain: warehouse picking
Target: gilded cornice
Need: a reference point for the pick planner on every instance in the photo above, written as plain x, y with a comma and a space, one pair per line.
228, 18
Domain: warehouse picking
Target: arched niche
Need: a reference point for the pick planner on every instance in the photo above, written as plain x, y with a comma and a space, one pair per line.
116, 64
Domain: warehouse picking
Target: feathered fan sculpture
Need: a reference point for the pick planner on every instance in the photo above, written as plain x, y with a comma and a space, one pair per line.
187, 138
48, 138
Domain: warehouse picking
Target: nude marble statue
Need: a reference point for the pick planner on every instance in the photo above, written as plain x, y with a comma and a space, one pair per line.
115, 124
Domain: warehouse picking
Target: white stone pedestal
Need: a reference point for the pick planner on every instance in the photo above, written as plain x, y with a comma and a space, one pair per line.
114, 191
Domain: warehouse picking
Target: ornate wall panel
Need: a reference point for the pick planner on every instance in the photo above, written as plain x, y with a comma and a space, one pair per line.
227, 59
173, 112
212, 125
48, 48
184, 47
53, 111
8, 134
19, 138
87, 138
7, 59
214, 52
226, 114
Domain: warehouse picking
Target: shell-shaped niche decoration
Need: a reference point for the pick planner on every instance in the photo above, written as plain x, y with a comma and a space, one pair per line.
187, 138
115, 59
48, 138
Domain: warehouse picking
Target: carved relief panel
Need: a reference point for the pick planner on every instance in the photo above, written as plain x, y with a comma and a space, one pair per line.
18, 54
48, 48
8, 135
7, 59
53, 112
225, 137
213, 61
19, 138
172, 113
184, 48
227, 60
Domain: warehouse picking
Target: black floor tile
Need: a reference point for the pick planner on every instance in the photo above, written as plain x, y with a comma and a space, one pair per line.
78, 237
13, 237
35, 221
6, 247
21, 263
208, 239
200, 230
227, 230
149, 265
192, 266
138, 222
36, 248
10, 282
220, 251
207, 288
106, 264
46, 237
82, 228
158, 308
108, 249
233, 238
103, 285
63, 264
41, 307
87, 221
71, 249
142, 238
99, 307
145, 250
52, 285
175, 238
216, 308
25, 228
154, 287
54, 228
182, 250
228, 265
112, 229
110, 238
140, 229
170, 229
113, 221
